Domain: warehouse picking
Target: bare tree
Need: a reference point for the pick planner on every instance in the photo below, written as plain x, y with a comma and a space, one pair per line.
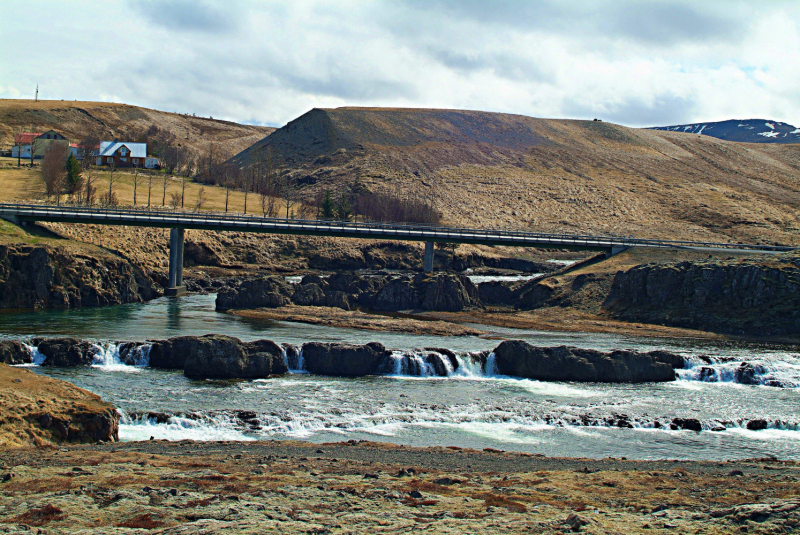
164, 190
136, 178
149, 186
36, 143
175, 199
111, 198
201, 199
54, 173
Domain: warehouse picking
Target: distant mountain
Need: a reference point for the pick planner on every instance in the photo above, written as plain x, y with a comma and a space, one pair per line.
749, 131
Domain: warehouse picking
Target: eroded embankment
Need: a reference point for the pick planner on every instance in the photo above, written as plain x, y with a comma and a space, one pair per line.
748, 296
38, 410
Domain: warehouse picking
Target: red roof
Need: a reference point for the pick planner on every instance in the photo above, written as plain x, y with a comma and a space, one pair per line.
26, 138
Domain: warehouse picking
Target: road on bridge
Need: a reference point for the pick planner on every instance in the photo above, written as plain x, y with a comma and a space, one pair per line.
179, 221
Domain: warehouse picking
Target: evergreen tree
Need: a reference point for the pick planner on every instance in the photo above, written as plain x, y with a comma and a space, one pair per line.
327, 207
73, 168
343, 209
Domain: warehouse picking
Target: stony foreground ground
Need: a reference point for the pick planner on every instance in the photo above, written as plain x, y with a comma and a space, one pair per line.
288, 487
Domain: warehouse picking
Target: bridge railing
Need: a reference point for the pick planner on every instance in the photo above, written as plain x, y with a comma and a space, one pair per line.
172, 217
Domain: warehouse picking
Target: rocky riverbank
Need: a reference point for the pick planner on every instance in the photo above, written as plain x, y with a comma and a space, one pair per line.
746, 296
37, 410
45, 276
362, 487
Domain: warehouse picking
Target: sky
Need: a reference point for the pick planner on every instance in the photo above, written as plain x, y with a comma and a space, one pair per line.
632, 62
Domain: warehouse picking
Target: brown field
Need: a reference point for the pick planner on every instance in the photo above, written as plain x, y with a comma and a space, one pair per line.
24, 184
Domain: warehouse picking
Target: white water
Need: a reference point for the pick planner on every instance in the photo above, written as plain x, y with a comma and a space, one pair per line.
477, 279
785, 372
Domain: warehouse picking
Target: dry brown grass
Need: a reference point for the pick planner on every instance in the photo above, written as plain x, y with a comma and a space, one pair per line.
40, 517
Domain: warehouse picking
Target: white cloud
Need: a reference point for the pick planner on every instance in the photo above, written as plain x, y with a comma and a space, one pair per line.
633, 62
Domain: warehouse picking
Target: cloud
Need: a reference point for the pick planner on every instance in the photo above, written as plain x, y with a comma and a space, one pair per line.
660, 110
201, 16
638, 63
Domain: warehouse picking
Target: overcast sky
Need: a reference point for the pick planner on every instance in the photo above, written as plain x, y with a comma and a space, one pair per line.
633, 62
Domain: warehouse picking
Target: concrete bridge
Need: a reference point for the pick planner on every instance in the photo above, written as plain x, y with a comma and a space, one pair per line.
21, 214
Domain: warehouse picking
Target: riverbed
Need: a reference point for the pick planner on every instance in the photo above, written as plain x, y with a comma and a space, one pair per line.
469, 408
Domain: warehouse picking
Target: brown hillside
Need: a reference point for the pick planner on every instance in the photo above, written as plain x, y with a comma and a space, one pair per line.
492, 169
74, 118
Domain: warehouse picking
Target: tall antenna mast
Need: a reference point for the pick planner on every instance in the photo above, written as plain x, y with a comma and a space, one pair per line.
37, 92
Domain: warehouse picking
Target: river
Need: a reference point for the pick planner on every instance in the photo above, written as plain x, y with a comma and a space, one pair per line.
469, 408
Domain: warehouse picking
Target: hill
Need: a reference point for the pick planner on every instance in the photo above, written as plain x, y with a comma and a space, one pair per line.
73, 118
491, 169
749, 131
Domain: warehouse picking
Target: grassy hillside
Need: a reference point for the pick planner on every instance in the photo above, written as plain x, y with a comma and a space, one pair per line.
72, 118
491, 169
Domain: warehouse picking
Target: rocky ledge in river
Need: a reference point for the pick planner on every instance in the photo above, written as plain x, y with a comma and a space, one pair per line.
215, 356
521, 359
348, 290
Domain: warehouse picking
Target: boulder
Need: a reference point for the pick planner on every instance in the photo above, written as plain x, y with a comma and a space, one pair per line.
343, 359
692, 424
217, 356
65, 351
521, 359
14, 352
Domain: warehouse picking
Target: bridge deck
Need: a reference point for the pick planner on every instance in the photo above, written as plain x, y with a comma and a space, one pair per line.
384, 231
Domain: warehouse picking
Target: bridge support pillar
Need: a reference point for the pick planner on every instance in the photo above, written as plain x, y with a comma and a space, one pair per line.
615, 250
428, 263
176, 286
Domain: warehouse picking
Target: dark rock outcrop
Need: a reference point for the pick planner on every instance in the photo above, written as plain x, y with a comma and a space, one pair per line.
343, 359
43, 276
224, 357
447, 293
270, 292
497, 293
347, 290
65, 352
14, 352
171, 354
521, 359
749, 296
218, 356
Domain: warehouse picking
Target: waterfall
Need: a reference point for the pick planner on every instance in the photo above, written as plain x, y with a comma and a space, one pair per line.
293, 358
491, 365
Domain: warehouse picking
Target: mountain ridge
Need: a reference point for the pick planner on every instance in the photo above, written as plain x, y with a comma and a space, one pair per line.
741, 130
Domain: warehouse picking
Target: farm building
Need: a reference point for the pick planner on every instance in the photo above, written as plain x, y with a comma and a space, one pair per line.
125, 154
38, 142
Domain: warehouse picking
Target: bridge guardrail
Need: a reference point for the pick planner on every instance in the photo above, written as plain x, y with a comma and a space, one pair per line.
380, 229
